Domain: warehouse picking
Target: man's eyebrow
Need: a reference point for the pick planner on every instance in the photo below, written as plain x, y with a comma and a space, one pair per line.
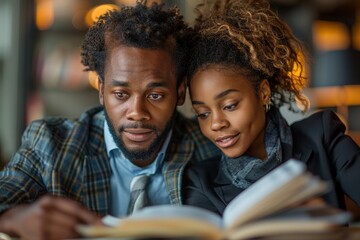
158, 84
118, 83
220, 95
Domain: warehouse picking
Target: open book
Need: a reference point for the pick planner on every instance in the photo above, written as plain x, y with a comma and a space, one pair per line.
265, 209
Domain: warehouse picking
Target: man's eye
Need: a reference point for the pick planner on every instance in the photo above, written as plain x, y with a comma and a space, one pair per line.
121, 95
155, 96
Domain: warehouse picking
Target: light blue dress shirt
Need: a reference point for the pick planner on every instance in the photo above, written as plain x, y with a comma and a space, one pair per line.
123, 170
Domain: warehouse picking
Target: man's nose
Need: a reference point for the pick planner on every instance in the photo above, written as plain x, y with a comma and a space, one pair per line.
138, 110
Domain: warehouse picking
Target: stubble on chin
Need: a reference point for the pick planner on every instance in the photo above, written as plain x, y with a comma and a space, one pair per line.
136, 155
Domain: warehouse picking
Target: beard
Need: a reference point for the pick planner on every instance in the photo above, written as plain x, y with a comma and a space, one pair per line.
140, 154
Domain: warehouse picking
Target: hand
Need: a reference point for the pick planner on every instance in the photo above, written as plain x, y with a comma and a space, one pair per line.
316, 201
48, 218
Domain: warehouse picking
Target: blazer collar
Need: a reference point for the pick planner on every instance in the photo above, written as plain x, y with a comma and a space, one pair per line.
223, 187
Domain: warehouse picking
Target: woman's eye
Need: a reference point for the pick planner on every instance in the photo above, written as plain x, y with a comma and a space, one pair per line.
230, 107
155, 96
203, 115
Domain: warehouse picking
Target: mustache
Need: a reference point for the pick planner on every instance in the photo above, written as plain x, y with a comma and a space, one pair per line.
137, 125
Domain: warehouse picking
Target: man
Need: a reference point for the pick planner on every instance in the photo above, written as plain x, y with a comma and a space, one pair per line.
70, 172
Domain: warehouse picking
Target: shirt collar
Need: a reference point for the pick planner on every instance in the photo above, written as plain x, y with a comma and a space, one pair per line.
109, 140
114, 151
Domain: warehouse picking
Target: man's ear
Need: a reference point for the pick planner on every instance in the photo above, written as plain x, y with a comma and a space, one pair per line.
181, 93
264, 91
101, 90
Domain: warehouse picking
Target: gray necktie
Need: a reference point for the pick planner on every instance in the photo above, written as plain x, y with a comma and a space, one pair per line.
138, 196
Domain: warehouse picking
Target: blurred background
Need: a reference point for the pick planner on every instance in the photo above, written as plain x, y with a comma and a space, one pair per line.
41, 74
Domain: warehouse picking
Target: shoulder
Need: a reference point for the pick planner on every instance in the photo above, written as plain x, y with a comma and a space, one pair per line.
320, 121
320, 116
52, 134
322, 126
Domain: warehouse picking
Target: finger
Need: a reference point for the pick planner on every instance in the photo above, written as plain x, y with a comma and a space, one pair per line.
70, 208
315, 202
60, 224
54, 231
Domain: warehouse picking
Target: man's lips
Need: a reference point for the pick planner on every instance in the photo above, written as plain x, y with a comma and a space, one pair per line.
227, 141
138, 134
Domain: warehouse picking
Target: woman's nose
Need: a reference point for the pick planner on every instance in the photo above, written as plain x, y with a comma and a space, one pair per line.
218, 121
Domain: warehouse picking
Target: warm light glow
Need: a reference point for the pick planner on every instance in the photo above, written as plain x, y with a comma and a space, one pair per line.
44, 16
132, 2
336, 96
127, 2
331, 35
78, 20
352, 96
356, 36
94, 13
93, 80
298, 72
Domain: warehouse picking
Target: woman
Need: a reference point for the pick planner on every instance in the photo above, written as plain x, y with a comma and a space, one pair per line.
240, 72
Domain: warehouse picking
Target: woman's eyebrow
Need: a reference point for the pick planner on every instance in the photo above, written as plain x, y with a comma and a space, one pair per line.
224, 93
220, 95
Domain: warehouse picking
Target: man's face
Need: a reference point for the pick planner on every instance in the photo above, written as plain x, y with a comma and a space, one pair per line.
140, 96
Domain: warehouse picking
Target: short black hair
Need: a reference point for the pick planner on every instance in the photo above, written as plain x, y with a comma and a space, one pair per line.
140, 26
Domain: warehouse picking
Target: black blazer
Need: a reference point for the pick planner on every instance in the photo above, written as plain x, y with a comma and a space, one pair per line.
318, 140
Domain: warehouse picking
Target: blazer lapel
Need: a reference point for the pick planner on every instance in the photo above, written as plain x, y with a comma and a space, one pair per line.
225, 190
305, 155
97, 183
179, 153
302, 154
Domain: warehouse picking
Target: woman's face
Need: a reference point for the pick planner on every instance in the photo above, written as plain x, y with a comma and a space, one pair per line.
229, 111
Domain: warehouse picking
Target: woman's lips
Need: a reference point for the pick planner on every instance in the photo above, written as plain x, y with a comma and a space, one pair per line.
138, 134
227, 141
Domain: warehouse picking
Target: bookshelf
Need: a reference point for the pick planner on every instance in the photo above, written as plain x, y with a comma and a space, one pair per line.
60, 86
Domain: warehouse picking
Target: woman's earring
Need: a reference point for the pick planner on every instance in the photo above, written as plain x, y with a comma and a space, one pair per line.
267, 106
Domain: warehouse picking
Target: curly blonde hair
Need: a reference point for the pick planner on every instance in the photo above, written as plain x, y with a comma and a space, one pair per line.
248, 35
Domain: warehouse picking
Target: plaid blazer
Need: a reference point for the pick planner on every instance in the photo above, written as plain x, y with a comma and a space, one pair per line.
64, 157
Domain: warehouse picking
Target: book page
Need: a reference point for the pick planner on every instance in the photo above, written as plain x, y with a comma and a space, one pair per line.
261, 189
160, 221
272, 203
285, 228
174, 211
154, 229
305, 222
312, 188
314, 213
287, 196
168, 211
